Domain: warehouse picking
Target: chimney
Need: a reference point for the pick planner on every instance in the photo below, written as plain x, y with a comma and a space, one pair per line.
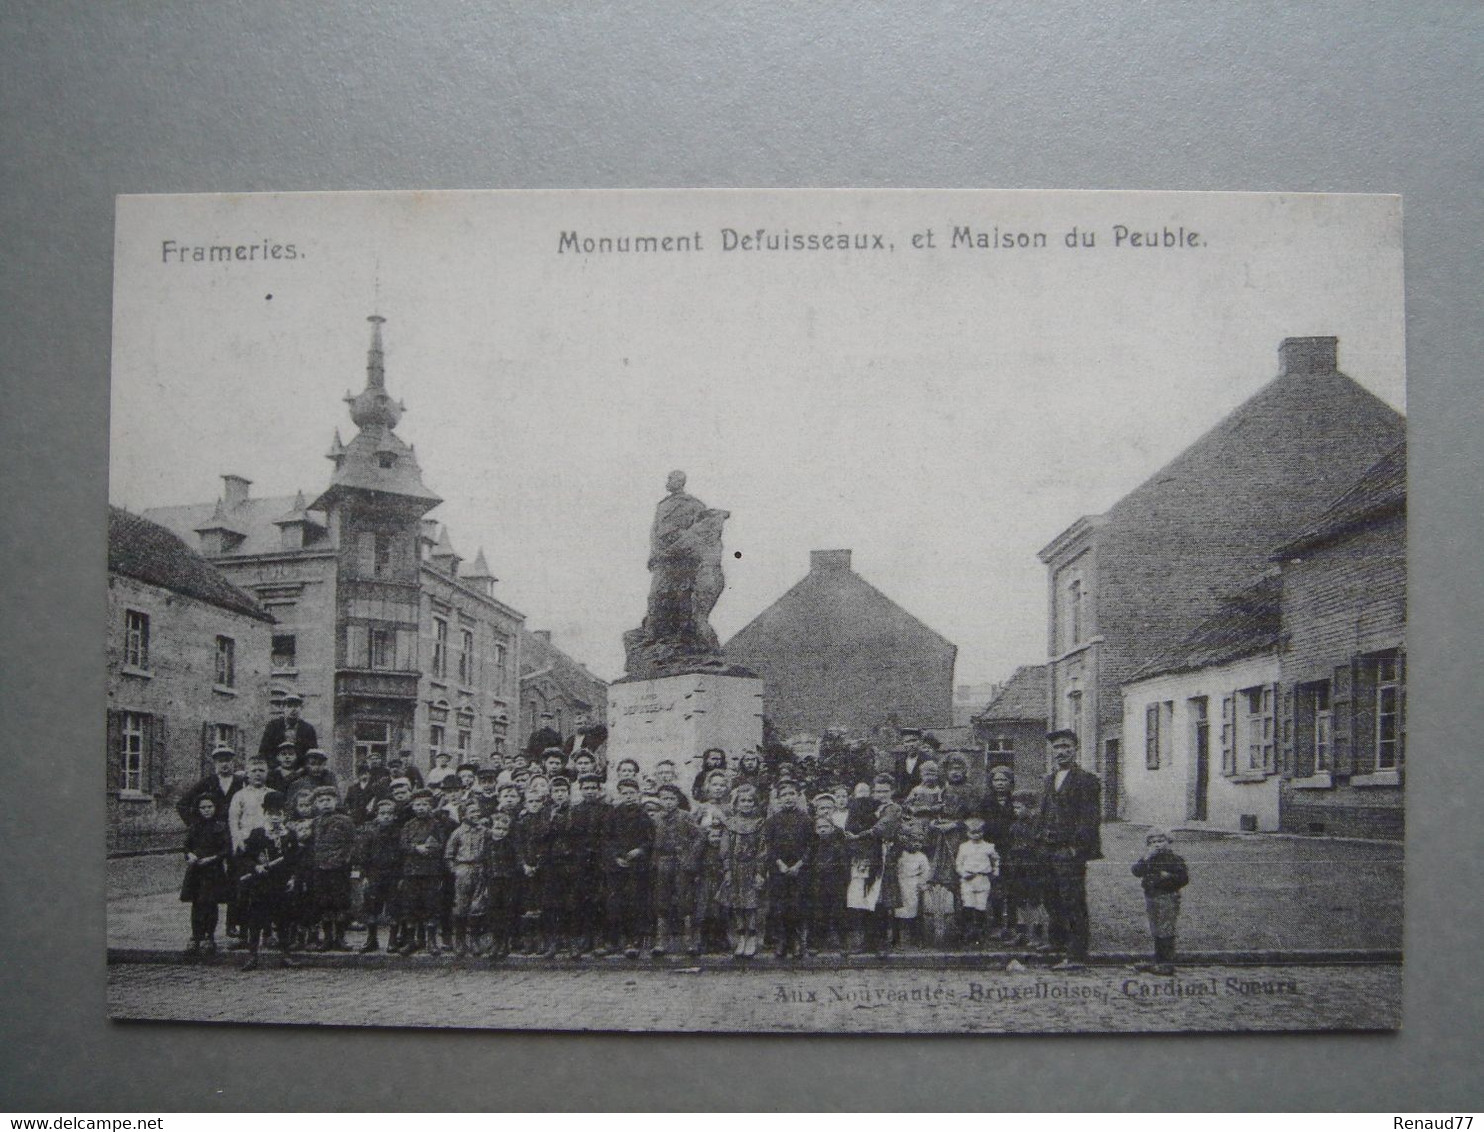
1309, 355
829, 561
235, 490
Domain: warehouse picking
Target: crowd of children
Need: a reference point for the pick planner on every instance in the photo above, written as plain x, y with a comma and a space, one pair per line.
554, 854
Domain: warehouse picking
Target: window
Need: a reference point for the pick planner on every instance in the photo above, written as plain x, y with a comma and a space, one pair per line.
1159, 734
1388, 714
1323, 742
500, 653
435, 741
1074, 714
134, 750
466, 657
285, 656
440, 647
1000, 745
1228, 735
136, 639
1257, 750
466, 740
379, 554
382, 644
226, 662
224, 735
1074, 610
372, 737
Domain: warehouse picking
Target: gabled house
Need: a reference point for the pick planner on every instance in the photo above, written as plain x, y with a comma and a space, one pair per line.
1127, 586
187, 655
835, 651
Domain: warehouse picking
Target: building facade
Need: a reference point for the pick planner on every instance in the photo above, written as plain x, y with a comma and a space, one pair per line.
396, 647
552, 683
835, 651
1344, 667
1012, 726
188, 657
1201, 724
1126, 586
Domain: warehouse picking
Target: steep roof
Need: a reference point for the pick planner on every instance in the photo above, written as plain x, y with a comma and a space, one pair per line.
1285, 434
831, 572
256, 519
1207, 522
1381, 491
1247, 624
1022, 698
538, 654
150, 553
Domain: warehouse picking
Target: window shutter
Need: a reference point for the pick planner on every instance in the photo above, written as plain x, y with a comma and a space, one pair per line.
1286, 733
1401, 708
1151, 737
1341, 729
1270, 742
1304, 725
114, 751
1228, 735
207, 734
1363, 717
154, 757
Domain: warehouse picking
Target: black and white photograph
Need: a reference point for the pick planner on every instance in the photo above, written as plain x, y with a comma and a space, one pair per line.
757, 611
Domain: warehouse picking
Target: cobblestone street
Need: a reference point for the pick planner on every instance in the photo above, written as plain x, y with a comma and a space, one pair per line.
1293, 904
838, 1001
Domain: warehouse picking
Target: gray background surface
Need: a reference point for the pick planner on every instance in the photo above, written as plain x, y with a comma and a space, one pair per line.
154, 97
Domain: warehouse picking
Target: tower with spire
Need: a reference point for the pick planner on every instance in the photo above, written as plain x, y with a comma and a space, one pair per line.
374, 506
397, 647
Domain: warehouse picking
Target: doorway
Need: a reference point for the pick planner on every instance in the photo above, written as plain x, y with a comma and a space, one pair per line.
1201, 796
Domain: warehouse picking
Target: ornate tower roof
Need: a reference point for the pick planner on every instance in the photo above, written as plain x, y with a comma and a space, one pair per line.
376, 459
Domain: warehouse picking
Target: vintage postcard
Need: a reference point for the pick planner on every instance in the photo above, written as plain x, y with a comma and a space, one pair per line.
756, 611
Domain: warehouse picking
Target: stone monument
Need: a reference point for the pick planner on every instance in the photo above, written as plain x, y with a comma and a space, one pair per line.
679, 696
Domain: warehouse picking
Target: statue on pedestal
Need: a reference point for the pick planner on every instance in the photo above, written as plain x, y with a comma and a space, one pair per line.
686, 579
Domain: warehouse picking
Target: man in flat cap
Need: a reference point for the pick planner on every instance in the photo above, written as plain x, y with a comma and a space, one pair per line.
1071, 813
219, 786
288, 726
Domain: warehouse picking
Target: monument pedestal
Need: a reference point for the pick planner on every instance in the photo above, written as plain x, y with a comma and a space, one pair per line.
680, 717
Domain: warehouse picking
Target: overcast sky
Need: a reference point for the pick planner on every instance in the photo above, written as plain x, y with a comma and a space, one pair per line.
942, 412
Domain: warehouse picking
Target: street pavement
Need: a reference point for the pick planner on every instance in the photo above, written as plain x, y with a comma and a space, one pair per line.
838, 1000
1251, 894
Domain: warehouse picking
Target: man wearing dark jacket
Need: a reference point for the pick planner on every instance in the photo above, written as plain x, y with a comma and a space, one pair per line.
587, 736
1071, 810
288, 726
219, 786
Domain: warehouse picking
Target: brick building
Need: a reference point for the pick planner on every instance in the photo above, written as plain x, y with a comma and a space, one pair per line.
1343, 670
394, 644
1012, 726
835, 651
552, 683
1126, 586
187, 656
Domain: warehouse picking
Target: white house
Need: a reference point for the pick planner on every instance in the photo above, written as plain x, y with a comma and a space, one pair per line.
1200, 723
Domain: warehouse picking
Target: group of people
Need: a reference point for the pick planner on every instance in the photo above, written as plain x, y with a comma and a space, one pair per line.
555, 852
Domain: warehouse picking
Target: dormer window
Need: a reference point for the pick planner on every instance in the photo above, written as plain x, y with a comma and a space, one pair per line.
386, 459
